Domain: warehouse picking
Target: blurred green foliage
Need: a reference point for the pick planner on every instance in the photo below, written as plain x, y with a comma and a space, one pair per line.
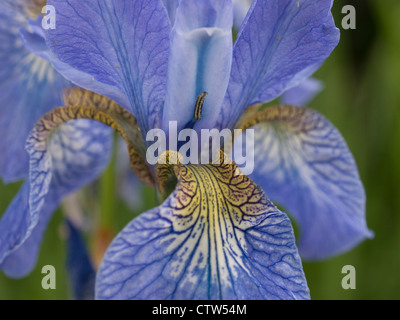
362, 99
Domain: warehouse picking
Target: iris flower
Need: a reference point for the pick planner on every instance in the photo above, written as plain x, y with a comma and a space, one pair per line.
141, 64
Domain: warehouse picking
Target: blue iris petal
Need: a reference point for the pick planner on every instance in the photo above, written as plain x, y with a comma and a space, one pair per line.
17, 260
304, 164
122, 44
77, 153
199, 60
279, 44
150, 260
36, 43
29, 87
216, 237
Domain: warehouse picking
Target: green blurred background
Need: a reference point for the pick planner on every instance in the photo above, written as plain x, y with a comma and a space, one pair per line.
362, 98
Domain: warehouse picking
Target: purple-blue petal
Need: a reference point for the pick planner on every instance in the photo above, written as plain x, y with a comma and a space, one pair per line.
303, 163
217, 236
76, 154
280, 43
199, 61
17, 260
149, 259
121, 44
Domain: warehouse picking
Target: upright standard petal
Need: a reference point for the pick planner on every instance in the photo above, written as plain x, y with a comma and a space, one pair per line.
121, 44
280, 43
29, 87
74, 154
199, 61
216, 236
304, 164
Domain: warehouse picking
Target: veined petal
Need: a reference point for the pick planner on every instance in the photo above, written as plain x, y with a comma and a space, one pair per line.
29, 87
199, 60
302, 94
281, 42
122, 44
216, 236
304, 164
34, 40
16, 260
73, 155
